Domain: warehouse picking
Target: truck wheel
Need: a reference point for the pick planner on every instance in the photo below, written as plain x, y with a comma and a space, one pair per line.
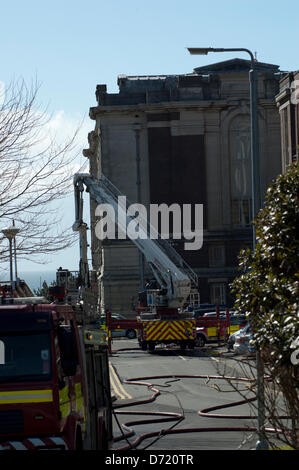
143, 345
183, 345
104, 439
151, 346
79, 441
201, 341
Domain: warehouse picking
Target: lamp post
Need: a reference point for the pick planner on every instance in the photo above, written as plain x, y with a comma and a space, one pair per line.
256, 205
10, 233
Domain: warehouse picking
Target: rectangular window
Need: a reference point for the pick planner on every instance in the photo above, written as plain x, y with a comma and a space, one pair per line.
240, 156
27, 357
216, 256
194, 299
241, 212
218, 293
286, 150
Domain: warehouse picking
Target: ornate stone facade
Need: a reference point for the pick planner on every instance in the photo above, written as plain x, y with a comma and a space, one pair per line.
288, 103
184, 139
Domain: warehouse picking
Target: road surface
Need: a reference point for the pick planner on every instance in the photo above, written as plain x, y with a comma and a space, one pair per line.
181, 398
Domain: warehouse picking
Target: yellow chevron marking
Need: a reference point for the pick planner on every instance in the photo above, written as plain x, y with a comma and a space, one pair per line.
168, 330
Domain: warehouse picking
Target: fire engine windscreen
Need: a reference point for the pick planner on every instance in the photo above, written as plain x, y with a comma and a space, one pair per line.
25, 356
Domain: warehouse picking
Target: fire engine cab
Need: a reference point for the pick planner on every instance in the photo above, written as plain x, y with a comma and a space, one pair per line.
54, 380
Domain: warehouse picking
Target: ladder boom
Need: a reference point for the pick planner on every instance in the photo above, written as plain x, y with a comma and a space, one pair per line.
169, 268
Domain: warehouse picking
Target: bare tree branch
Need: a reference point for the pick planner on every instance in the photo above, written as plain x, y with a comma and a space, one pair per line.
35, 171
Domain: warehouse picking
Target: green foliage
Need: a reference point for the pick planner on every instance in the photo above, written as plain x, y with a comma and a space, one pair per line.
44, 290
267, 289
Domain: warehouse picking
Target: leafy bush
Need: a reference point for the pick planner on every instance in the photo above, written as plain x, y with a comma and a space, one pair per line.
267, 291
268, 288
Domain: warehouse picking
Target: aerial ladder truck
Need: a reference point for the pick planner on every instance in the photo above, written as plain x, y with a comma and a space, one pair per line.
161, 317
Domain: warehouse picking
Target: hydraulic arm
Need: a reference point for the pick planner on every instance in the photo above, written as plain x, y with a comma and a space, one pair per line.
172, 273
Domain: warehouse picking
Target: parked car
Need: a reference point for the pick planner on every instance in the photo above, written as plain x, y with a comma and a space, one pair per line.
242, 343
232, 338
238, 319
207, 308
235, 318
222, 314
130, 333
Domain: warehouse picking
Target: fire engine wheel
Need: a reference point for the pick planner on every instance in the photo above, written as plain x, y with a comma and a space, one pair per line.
143, 345
151, 346
104, 440
201, 341
187, 344
183, 345
79, 440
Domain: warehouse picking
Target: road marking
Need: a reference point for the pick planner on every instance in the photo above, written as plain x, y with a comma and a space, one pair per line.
182, 358
117, 385
115, 389
247, 384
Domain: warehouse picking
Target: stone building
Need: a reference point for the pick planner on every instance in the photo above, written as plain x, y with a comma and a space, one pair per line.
184, 139
288, 103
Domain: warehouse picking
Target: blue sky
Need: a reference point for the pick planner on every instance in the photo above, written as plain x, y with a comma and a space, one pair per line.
71, 46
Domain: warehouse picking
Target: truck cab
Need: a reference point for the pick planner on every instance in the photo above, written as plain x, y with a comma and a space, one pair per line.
48, 369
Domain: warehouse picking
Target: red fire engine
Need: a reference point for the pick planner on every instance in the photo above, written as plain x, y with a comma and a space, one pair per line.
54, 380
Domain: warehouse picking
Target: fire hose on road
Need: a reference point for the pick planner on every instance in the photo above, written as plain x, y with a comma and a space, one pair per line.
159, 417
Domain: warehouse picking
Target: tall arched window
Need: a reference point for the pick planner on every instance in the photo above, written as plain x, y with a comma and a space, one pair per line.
239, 140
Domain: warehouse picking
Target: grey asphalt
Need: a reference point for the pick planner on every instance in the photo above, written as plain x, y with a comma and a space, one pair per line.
185, 396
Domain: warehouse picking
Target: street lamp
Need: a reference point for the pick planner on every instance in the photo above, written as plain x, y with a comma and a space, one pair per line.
10, 233
256, 205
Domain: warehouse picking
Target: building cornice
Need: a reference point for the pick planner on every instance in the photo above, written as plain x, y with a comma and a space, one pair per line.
160, 107
98, 111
